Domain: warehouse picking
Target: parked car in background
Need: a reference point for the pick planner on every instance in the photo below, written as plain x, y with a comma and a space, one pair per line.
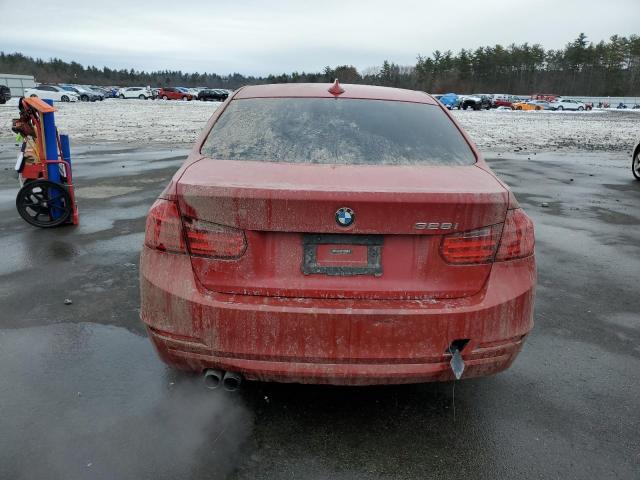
84, 94
174, 93
477, 101
547, 97
186, 90
504, 100
566, 104
52, 92
105, 92
95, 90
113, 90
487, 100
529, 105
546, 105
587, 105
213, 94
143, 93
5, 94
261, 259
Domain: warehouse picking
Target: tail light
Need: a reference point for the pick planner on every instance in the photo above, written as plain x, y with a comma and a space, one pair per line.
164, 228
517, 240
167, 232
211, 240
474, 246
508, 241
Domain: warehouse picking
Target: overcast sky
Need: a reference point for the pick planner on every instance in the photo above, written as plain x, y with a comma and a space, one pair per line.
275, 36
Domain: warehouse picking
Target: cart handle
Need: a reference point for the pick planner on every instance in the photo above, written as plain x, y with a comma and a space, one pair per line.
67, 168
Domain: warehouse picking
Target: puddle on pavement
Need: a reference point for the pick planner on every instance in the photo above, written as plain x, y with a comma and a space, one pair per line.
93, 401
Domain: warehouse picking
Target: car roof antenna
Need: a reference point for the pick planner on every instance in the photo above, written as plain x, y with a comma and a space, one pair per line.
336, 88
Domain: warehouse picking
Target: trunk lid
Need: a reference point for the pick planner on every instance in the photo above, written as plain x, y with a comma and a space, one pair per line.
296, 247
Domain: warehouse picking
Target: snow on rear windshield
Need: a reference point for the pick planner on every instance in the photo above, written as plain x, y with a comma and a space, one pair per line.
336, 131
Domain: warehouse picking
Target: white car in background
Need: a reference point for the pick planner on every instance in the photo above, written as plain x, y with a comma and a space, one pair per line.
566, 104
51, 92
143, 93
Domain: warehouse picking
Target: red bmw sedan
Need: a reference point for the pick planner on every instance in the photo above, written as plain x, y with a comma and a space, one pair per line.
336, 234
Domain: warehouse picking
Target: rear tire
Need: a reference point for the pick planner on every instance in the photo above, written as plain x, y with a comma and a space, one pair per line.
64, 98
121, 96
518, 108
142, 97
184, 99
580, 109
164, 97
560, 108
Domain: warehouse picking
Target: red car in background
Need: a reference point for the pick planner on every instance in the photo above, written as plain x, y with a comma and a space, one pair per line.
171, 93
546, 97
501, 100
336, 234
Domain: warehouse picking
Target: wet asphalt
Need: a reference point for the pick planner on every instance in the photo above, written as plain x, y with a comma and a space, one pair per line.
83, 396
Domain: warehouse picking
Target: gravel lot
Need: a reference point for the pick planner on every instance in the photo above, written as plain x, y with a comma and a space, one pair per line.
178, 123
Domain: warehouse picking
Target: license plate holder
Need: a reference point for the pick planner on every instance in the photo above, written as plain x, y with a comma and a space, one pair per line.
349, 246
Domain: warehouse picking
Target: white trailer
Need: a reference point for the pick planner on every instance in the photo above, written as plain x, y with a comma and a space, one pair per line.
17, 83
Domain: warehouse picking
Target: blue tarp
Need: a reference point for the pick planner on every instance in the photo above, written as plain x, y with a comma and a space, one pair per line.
449, 99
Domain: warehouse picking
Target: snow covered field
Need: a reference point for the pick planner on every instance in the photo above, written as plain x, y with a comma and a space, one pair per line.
174, 122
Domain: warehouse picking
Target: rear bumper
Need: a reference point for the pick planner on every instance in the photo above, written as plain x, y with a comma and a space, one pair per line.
349, 342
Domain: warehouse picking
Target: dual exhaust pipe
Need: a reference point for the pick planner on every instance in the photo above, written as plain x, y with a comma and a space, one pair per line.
230, 381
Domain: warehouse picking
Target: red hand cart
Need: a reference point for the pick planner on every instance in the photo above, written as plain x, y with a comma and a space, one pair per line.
43, 201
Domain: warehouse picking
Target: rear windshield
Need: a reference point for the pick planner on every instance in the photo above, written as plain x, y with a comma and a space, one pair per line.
336, 131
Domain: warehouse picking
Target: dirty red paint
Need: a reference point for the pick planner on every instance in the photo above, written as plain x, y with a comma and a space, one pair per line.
262, 315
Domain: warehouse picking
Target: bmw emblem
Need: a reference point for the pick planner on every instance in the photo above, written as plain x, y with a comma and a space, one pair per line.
345, 217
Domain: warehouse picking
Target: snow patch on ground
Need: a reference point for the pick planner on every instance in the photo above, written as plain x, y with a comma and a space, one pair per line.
597, 130
160, 122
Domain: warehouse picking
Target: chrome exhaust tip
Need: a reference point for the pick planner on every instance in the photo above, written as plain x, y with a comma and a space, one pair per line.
212, 378
231, 381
